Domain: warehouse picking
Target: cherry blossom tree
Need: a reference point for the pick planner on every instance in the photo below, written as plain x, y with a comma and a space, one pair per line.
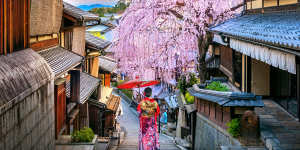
168, 36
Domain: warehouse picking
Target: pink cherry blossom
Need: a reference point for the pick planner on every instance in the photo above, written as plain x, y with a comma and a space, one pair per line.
163, 35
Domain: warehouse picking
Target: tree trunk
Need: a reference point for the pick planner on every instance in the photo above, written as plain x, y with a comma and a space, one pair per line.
203, 44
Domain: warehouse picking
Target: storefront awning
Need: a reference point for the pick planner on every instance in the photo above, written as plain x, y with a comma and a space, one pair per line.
275, 58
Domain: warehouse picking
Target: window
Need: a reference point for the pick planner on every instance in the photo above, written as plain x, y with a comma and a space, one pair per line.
270, 3
256, 4
287, 2
14, 25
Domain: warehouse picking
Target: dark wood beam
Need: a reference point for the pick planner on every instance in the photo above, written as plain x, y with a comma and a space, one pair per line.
1, 26
70, 18
37, 46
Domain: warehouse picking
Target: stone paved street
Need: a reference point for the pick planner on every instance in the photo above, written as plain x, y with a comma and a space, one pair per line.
278, 129
129, 123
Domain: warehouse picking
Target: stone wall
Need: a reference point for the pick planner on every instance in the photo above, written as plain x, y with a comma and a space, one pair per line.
210, 136
30, 123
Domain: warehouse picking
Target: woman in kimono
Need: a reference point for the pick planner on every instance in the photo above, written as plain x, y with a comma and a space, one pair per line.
148, 110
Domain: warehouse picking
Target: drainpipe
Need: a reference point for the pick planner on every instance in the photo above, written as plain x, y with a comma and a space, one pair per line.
75, 86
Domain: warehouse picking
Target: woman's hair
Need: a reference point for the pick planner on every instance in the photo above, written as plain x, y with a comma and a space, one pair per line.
148, 92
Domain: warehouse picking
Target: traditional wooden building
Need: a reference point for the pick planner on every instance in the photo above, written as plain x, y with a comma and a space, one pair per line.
26, 82
259, 51
94, 48
94, 108
107, 66
80, 95
61, 62
73, 28
80, 86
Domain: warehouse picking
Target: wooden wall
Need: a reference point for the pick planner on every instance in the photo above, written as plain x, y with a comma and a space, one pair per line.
226, 61
84, 115
214, 112
14, 24
60, 107
107, 80
96, 117
260, 74
45, 17
92, 66
78, 43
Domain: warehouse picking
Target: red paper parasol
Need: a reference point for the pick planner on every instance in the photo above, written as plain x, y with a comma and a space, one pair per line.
149, 83
137, 84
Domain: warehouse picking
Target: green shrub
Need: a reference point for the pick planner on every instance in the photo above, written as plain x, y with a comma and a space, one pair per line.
217, 86
84, 135
189, 98
234, 127
183, 83
127, 92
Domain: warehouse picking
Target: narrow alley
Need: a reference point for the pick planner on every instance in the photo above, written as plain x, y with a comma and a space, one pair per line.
130, 124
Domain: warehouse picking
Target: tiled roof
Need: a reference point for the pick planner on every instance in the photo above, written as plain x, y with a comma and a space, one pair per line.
107, 64
229, 99
278, 29
61, 60
113, 103
88, 85
96, 42
21, 73
78, 13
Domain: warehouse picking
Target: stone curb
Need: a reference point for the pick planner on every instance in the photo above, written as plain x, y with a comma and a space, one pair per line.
271, 142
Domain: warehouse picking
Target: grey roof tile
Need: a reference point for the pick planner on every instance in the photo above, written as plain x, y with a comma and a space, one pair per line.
278, 29
61, 60
234, 99
78, 13
107, 64
88, 85
96, 42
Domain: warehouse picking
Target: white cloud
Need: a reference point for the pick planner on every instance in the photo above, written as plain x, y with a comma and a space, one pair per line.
88, 2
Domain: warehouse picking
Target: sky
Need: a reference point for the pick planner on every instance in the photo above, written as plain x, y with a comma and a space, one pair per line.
88, 2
